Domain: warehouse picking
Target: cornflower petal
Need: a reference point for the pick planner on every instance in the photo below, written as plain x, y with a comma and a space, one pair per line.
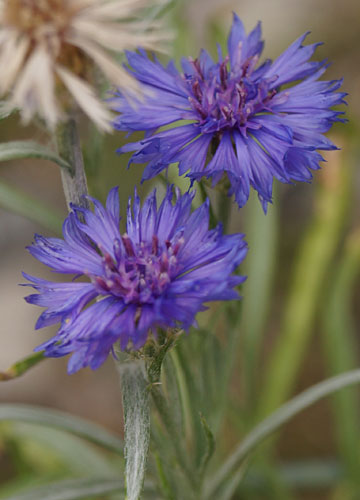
159, 274
233, 118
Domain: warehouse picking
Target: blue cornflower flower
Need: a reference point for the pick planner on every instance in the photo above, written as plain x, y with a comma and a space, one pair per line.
158, 274
233, 116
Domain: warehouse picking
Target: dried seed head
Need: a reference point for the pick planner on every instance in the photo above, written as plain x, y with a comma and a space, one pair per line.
47, 46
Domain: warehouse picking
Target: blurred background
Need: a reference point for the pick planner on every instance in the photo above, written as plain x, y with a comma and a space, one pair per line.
301, 307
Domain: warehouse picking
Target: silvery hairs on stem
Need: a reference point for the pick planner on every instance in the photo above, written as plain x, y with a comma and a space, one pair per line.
49, 49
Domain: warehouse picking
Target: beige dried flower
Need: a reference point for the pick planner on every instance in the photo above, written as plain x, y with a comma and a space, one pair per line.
48, 49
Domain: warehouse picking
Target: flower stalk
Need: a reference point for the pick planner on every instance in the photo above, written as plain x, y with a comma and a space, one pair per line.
68, 145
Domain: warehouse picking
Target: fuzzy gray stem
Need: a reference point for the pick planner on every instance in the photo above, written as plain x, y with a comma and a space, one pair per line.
68, 145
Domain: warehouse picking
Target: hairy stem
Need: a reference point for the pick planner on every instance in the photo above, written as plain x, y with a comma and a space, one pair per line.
68, 145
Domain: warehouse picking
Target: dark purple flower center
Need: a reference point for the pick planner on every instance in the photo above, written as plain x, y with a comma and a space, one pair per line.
140, 273
223, 99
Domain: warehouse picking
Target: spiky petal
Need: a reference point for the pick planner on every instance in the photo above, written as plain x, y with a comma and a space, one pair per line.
237, 108
158, 274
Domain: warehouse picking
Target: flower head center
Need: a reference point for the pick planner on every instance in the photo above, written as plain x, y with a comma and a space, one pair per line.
40, 20
226, 99
139, 273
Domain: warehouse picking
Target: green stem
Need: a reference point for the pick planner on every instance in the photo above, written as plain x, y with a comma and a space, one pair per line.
22, 366
224, 210
184, 395
74, 181
213, 219
276, 420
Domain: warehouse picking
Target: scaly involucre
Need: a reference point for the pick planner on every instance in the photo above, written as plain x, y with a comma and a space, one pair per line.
49, 48
240, 119
156, 275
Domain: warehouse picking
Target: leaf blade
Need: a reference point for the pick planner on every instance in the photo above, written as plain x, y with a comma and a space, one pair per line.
315, 255
274, 421
71, 490
17, 150
14, 200
54, 418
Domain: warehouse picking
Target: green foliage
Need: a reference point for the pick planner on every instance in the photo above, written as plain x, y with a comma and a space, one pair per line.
313, 262
72, 490
63, 421
18, 202
17, 150
339, 340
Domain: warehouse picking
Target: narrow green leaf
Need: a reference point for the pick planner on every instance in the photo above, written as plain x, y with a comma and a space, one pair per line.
163, 480
210, 440
16, 150
20, 367
171, 387
53, 418
170, 478
229, 488
260, 265
275, 421
5, 110
14, 200
190, 395
312, 474
229, 353
176, 440
78, 456
71, 490
339, 339
137, 425
315, 256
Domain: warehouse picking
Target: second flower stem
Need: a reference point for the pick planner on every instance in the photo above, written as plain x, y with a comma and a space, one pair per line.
68, 145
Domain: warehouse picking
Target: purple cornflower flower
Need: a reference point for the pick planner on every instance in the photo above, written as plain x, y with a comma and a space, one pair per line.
235, 109
158, 274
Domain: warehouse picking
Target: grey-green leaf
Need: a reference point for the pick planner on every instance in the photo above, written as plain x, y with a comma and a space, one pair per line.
53, 418
71, 490
137, 425
15, 150
77, 455
14, 200
5, 110
274, 421
210, 441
